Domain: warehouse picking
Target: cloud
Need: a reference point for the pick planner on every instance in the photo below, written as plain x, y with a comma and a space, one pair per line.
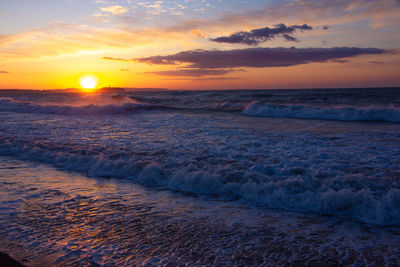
102, 18
198, 34
376, 62
124, 69
66, 39
115, 10
377, 12
202, 79
329, 12
194, 72
261, 35
3, 72
116, 59
256, 57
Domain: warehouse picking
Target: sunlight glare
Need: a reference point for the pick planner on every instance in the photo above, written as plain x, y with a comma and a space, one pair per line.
88, 81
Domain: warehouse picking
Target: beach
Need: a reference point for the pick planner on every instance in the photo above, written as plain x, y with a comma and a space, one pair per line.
60, 219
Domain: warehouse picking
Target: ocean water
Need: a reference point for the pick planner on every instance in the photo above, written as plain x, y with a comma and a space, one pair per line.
201, 177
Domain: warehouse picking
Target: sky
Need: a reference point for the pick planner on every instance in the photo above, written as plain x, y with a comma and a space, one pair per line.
200, 44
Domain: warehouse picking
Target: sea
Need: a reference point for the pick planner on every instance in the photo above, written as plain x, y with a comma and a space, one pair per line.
305, 177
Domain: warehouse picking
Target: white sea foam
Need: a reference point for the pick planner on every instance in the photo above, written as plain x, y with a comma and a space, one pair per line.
296, 188
332, 113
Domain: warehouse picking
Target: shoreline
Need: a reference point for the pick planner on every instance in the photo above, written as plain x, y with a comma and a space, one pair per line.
68, 219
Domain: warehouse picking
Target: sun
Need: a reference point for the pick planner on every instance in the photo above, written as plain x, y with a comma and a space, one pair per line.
88, 82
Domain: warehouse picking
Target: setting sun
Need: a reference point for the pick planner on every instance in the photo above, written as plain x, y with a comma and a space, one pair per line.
88, 81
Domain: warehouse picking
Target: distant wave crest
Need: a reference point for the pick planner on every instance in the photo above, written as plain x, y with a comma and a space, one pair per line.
335, 113
102, 106
8, 104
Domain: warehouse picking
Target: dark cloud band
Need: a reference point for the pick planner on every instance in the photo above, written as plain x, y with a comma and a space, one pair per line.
261, 35
183, 72
256, 57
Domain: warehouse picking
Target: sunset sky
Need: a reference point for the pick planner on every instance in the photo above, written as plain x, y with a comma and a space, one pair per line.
200, 44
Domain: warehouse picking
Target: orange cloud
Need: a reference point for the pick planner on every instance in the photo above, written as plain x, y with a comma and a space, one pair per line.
198, 34
65, 39
117, 59
100, 18
115, 10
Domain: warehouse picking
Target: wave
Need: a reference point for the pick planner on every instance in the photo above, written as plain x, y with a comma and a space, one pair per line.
79, 108
335, 113
292, 189
103, 105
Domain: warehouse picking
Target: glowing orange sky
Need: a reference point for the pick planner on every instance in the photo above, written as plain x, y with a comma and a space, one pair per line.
52, 44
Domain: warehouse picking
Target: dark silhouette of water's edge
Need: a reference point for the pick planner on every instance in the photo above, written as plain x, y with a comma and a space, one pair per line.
6, 260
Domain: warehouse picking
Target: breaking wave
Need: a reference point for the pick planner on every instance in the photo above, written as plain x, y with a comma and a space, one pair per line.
352, 175
292, 189
335, 113
101, 108
122, 105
